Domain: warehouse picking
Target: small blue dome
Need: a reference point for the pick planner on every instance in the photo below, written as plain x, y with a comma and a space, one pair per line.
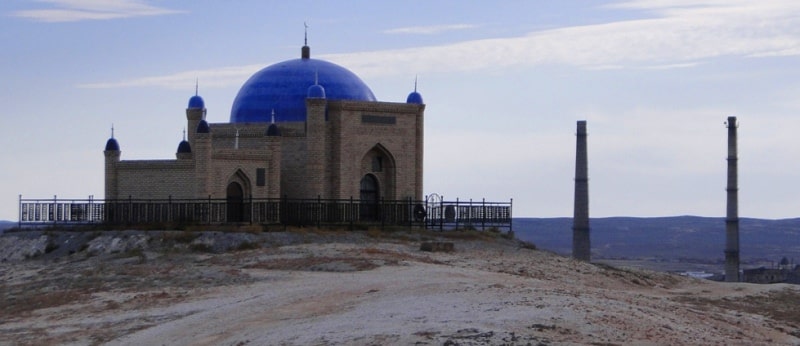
283, 87
203, 127
273, 130
414, 97
316, 91
197, 102
112, 145
184, 147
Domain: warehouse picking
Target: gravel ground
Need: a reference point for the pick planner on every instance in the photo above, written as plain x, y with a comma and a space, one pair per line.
310, 287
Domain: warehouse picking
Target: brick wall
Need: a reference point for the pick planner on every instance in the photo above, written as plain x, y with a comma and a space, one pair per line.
325, 156
155, 179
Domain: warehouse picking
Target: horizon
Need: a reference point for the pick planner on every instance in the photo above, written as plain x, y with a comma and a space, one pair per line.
504, 84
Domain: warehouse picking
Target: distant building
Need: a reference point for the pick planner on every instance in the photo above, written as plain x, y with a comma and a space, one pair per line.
302, 128
784, 273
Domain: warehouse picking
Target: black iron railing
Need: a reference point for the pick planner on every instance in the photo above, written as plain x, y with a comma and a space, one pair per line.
433, 213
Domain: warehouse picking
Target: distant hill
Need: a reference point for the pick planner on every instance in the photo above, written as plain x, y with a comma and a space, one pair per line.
669, 238
4, 225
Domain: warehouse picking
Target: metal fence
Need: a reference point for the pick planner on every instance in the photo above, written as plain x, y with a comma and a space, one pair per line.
435, 213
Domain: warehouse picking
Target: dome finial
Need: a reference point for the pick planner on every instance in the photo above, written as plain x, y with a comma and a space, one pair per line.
414, 96
111, 143
184, 133
273, 115
305, 52
196, 85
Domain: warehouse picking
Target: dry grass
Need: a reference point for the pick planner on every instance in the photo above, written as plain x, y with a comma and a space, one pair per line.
780, 306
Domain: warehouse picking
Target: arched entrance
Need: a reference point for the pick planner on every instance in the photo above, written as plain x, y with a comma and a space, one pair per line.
235, 202
379, 163
370, 195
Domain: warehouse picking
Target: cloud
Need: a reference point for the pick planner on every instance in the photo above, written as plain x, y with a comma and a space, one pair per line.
429, 30
211, 78
677, 34
78, 10
686, 33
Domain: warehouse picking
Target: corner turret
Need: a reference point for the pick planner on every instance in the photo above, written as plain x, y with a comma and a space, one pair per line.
414, 97
195, 112
112, 157
184, 149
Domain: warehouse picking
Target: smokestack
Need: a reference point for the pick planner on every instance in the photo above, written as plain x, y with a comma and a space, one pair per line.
732, 217
581, 246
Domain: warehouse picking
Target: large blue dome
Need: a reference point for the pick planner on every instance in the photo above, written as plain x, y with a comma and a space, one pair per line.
283, 87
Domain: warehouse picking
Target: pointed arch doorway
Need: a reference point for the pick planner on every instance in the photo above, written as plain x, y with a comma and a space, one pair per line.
369, 197
235, 202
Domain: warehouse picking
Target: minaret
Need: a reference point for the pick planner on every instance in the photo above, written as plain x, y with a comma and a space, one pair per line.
732, 217
112, 157
581, 245
195, 112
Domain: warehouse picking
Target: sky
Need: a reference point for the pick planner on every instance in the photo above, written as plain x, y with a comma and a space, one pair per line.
504, 83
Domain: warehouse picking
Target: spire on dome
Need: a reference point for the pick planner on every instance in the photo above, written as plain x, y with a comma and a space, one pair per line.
316, 91
112, 144
305, 52
414, 96
196, 101
272, 129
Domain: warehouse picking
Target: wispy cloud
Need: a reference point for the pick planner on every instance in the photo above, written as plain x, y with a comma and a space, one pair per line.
210, 78
676, 34
429, 30
78, 10
687, 32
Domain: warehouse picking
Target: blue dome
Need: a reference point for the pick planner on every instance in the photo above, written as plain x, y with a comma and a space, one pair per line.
202, 127
112, 145
197, 102
184, 147
316, 91
414, 97
285, 85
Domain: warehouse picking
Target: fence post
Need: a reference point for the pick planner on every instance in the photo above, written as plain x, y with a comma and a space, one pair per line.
410, 214
169, 209
319, 210
483, 214
380, 211
208, 211
455, 214
510, 218
441, 214
350, 213
284, 212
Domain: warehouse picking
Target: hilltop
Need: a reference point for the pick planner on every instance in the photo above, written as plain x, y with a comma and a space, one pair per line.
364, 287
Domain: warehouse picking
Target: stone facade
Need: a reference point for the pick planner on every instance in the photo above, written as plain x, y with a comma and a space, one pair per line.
344, 149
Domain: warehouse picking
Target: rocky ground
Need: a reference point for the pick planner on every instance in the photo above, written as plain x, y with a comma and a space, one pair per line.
310, 287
